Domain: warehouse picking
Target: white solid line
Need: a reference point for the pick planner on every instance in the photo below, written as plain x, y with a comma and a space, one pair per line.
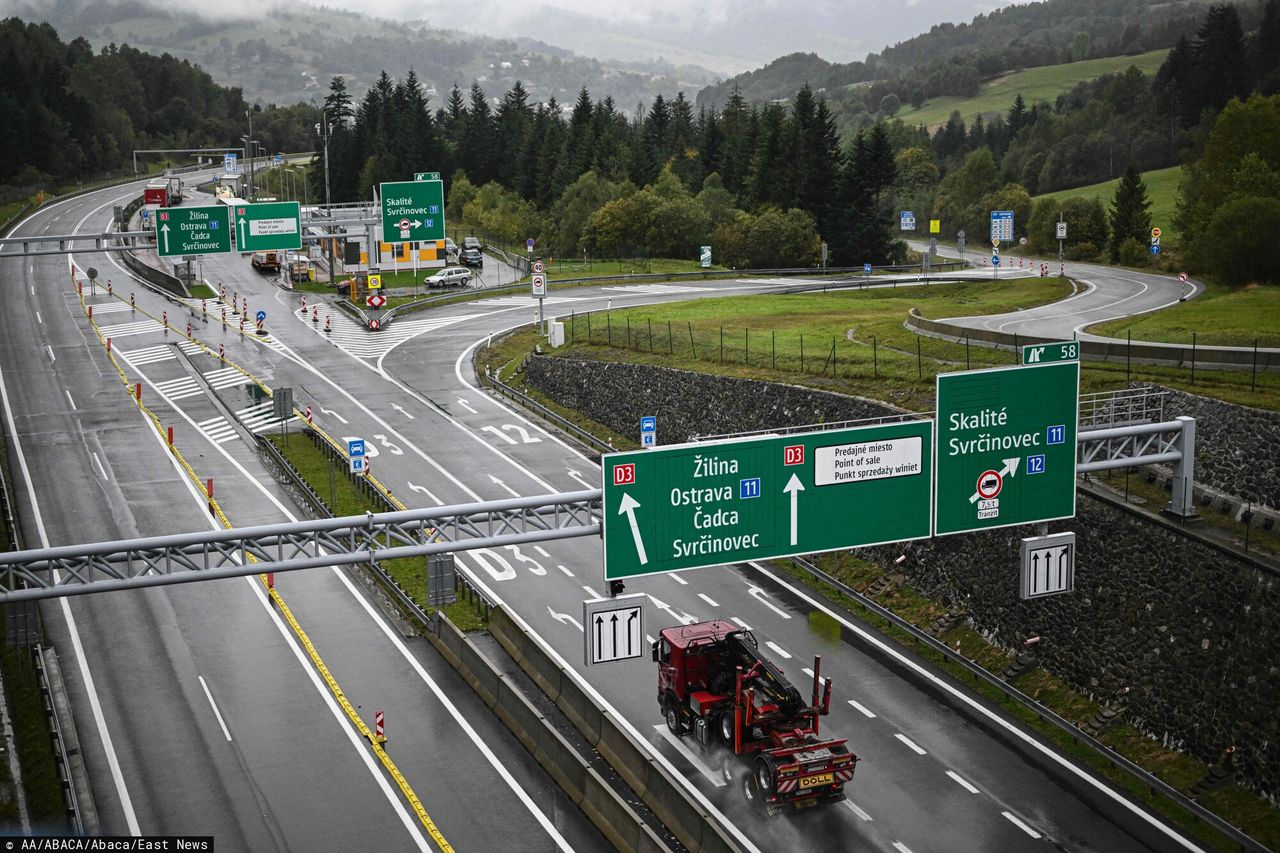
565, 570
741, 624
98, 462
1014, 820
214, 705
778, 649
675, 577
857, 809
962, 782
707, 599
39, 319
95, 704
1048, 753
900, 736
69, 400
900, 847
863, 708
52, 357
715, 778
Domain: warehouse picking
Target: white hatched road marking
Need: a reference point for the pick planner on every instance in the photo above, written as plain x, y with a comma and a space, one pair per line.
1018, 823
227, 377
149, 355
863, 708
900, 847
909, 742
124, 330
191, 348
355, 340
111, 308
260, 418
218, 430
178, 389
962, 782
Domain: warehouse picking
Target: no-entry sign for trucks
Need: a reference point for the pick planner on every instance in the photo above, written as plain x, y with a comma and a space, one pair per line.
412, 211
193, 230
268, 225
1006, 450
705, 504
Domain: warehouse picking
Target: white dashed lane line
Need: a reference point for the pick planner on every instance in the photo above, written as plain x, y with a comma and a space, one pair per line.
707, 599
675, 577
740, 623
900, 847
856, 809
909, 742
863, 708
1018, 823
962, 782
779, 650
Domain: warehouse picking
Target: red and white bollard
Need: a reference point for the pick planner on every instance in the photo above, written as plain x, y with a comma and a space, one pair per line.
222, 293
188, 330
137, 391
208, 487
259, 327
171, 436
204, 312
308, 414
109, 287
224, 316
379, 727
315, 313
79, 288
133, 304
222, 353
304, 305
271, 580
328, 324
90, 313
242, 322
246, 305
235, 298
108, 346
165, 317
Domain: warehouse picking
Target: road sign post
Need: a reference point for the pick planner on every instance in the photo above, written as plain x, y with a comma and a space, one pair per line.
412, 211
709, 503
268, 226
356, 455
704, 257
193, 230
613, 629
1048, 565
907, 220
1006, 450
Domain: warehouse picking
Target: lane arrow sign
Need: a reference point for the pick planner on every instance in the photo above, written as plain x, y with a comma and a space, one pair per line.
629, 505
240, 222
794, 487
164, 230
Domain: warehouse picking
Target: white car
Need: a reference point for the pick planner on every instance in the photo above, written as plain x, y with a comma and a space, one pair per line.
449, 277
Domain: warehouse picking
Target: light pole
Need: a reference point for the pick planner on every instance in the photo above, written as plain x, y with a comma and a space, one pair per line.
323, 130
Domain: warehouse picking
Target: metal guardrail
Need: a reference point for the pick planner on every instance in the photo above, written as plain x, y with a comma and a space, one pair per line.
1122, 408
59, 745
1151, 782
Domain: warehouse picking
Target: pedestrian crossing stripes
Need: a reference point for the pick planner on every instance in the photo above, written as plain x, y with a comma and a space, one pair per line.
178, 389
654, 288
260, 418
228, 377
111, 308
355, 340
191, 348
149, 355
217, 429
527, 301
124, 330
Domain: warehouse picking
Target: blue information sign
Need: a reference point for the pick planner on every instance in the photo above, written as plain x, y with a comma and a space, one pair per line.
866, 269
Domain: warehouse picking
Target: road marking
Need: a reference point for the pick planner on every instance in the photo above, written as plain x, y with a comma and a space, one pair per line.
39, 319
591, 592
857, 809
52, 357
962, 782
334, 414
510, 490
863, 708
675, 577
909, 742
564, 618
649, 638
415, 487
214, 705
541, 550
697, 762
900, 847
1014, 820
763, 597
779, 650
464, 404
740, 623
98, 462
69, 400
565, 570
707, 599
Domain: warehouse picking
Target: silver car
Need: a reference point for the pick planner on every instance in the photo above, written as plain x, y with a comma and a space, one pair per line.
449, 277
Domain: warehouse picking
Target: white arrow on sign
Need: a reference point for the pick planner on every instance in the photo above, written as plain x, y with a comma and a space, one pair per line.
794, 487
240, 222
164, 230
416, 224
1010, 468
629, 506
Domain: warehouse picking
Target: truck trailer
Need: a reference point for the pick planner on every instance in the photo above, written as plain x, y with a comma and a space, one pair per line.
715, 685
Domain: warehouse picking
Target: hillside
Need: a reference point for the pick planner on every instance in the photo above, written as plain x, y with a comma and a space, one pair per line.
1162, 191
290, 55
1034, 84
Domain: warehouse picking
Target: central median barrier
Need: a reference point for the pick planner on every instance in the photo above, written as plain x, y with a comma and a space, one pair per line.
668, 797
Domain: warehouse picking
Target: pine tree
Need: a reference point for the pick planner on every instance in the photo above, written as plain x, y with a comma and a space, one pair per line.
1017, 116
477, 153
1220, 68
1130, 215
735, 124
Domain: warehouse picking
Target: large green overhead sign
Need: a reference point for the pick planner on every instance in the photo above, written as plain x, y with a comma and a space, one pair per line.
705, 504
268, 225
1006, 450
412, 211
193, 230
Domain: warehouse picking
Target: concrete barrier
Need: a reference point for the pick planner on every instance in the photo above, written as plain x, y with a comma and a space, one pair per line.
608, 811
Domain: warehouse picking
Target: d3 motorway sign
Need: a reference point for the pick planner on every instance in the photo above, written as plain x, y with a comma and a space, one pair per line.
268, 225
1006, 450
412, 211
693, 505
193, 230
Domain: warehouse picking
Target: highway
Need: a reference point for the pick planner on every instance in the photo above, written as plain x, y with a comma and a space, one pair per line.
929, 778
200, 708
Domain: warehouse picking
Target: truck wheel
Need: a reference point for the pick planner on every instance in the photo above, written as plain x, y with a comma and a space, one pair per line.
762, 772
672, 713
726, 729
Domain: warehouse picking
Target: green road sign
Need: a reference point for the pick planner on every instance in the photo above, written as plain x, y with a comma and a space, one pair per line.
426, 176
1041, 353
1006, 450
706, 504
193, 230
412, 211
268, 225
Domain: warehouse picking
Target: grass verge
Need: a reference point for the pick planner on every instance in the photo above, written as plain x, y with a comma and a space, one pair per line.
1162, 192
40, 782
339, 492
1221, 316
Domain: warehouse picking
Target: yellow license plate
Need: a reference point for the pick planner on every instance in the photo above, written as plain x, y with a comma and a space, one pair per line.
815, 781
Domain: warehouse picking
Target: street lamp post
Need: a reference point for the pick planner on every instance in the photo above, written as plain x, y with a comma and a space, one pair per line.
323, 130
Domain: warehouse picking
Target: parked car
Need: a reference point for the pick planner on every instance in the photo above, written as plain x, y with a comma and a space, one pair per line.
449, 277
473, 258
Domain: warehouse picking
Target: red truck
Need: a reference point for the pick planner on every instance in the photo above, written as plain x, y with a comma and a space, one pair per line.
163, 192
714, 684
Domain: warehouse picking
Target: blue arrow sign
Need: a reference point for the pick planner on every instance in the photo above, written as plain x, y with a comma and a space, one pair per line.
261, 315
995, 260
1155, 248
